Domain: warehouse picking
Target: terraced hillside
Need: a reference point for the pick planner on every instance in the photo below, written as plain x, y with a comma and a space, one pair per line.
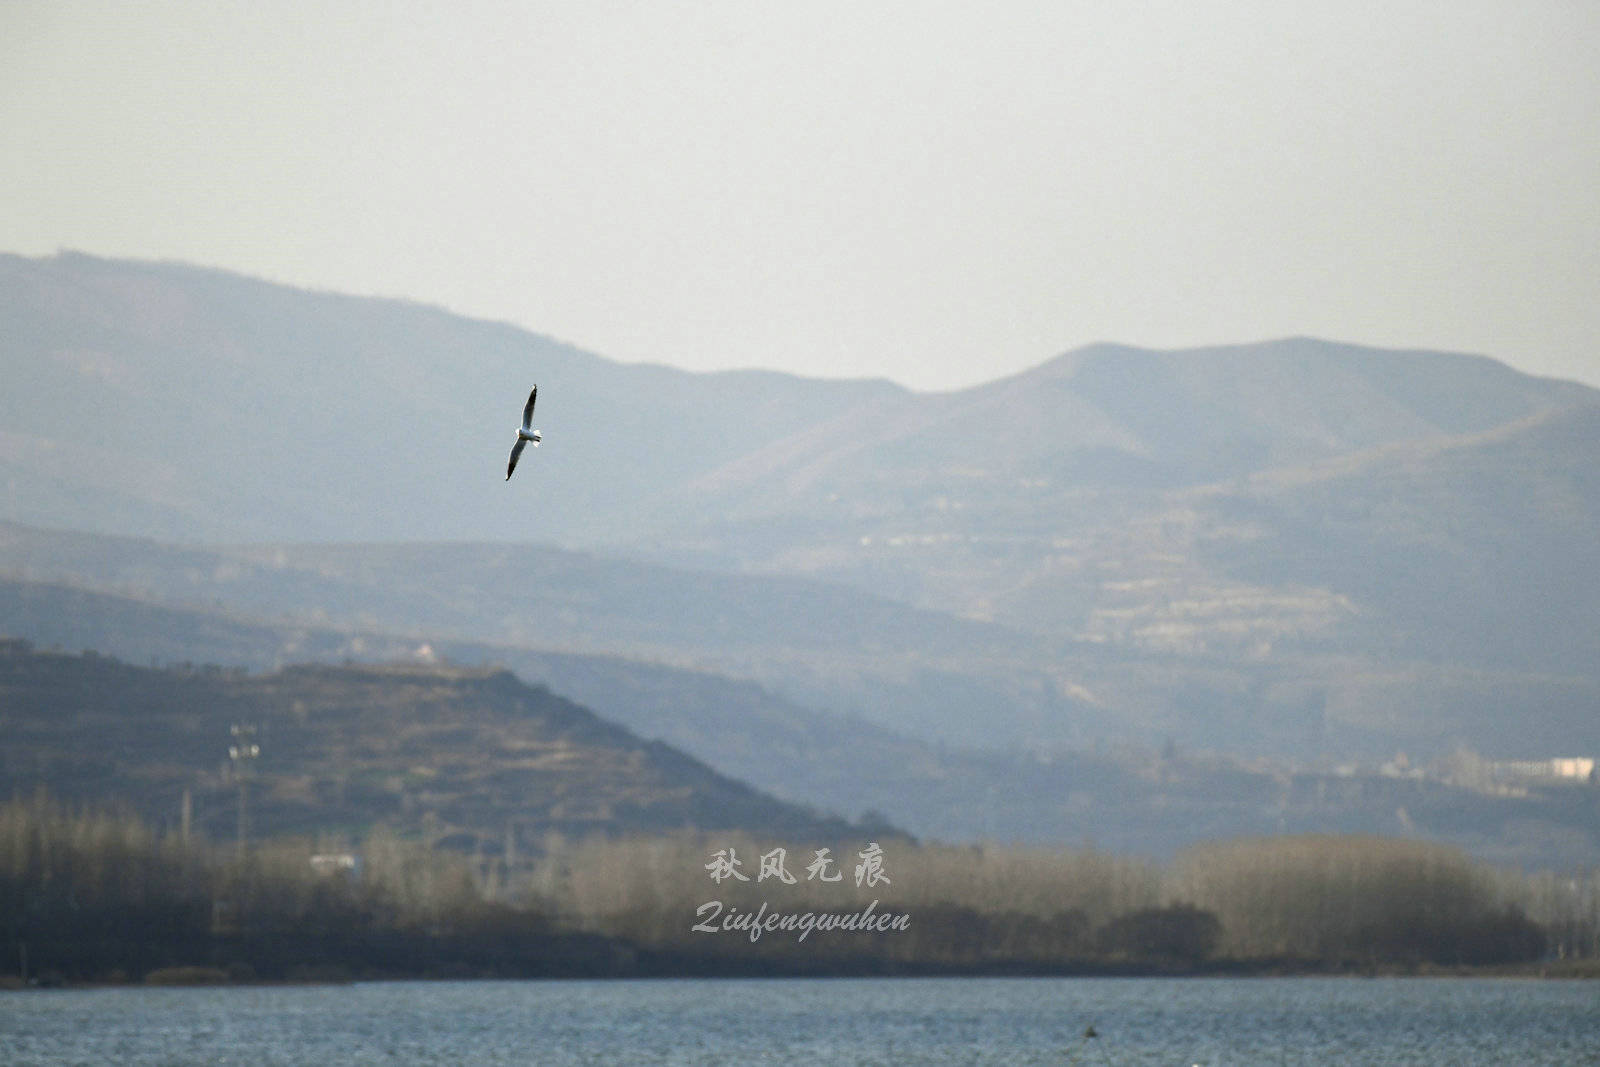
471, 759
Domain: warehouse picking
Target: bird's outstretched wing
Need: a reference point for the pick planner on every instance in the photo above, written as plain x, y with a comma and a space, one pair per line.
516, 450
527, 412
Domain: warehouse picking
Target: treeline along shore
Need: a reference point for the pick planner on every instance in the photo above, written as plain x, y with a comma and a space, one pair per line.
95, 896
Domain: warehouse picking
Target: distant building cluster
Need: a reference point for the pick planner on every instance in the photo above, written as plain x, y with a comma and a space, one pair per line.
1513, 778
336, 863
1560, 769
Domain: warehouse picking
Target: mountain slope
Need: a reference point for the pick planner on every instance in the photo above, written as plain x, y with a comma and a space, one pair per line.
1122, 798
313, 416
1214, 663
1479, 548
825, 645
1109, 415
944, 498
466, 756
796, 753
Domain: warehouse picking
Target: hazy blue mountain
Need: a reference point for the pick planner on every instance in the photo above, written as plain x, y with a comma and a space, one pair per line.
187, 404
1298, 546
1479, 548
1171, 676
825, 645
1119, 417
968, 500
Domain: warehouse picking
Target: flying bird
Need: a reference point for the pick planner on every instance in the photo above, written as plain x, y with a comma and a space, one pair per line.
524, 433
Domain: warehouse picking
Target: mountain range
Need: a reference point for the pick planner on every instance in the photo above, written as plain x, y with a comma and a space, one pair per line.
1297, 549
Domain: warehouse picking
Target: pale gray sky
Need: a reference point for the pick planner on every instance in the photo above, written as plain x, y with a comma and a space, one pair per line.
935, 193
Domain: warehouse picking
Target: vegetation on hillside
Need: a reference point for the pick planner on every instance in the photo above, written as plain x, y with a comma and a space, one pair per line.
471, 758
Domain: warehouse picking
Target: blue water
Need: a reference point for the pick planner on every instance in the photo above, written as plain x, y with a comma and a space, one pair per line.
841, 1021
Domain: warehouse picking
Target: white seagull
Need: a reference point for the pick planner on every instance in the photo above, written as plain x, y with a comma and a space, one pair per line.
524, 434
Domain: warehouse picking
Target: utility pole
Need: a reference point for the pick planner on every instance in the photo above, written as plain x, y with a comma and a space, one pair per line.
243, 752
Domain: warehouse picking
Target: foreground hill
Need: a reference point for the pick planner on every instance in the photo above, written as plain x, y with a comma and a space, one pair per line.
471, 758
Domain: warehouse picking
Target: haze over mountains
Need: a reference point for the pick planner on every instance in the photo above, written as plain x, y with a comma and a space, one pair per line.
1298, 548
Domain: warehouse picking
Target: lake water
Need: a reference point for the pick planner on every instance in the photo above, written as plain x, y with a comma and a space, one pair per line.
835, 1021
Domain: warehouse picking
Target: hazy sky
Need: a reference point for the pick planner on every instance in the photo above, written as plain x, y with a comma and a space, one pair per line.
935, 193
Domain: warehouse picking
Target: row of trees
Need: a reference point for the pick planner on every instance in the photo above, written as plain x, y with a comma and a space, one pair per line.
1324, 901
1360, 900
91, 895
97, 896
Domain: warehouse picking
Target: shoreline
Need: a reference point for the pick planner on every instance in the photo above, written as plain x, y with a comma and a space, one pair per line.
204, 976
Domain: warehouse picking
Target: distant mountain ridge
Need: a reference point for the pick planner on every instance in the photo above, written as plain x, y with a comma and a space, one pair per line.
1103, 433
1104, 413
316, 416
411, 405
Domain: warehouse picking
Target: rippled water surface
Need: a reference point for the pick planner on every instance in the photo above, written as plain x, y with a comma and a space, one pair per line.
842, 1021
